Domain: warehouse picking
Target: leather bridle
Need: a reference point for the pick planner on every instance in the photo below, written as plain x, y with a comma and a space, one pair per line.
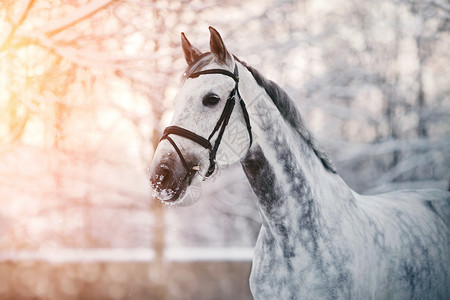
220, 125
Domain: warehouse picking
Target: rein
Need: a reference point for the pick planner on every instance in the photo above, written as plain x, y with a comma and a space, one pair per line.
220, 125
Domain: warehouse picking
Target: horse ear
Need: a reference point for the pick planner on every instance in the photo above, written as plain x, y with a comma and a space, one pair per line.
218, 48
191, 54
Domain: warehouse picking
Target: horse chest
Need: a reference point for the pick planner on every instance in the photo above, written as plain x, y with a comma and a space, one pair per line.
271, 275
287, 272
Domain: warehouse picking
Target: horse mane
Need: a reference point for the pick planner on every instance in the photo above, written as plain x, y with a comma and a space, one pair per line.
282, 101
290, 113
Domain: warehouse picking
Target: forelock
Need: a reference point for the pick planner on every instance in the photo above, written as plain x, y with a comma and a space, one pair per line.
204, 60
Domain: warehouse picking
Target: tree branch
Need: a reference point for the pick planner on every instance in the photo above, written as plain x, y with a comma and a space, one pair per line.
354, 151
442, 5
22, 16
81, 13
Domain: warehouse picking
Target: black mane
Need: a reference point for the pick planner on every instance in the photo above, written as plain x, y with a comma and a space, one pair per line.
282, 101
290, 113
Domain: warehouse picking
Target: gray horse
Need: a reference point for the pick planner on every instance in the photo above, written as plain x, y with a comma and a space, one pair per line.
319, 239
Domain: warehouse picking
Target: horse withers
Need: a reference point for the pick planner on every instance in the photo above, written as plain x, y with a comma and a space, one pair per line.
319, 239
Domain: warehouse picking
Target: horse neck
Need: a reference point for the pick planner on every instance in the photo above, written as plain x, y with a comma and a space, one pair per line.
286, 175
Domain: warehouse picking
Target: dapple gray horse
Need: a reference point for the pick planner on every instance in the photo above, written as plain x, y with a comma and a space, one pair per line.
319, 239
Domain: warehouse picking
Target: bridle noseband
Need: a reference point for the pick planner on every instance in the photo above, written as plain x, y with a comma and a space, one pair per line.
220, 125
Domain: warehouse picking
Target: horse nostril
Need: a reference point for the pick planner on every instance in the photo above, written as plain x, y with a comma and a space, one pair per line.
162, 177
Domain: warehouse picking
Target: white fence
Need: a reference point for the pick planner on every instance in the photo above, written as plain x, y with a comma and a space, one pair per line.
181, 254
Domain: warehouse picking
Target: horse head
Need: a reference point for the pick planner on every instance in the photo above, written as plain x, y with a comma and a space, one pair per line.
207, 130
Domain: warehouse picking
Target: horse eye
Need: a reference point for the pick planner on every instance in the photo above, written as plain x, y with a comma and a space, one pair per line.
210, 100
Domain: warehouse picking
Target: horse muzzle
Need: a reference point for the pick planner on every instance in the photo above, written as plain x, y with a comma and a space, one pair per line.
168, 176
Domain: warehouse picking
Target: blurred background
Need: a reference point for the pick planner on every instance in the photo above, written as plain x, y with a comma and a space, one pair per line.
86, 88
